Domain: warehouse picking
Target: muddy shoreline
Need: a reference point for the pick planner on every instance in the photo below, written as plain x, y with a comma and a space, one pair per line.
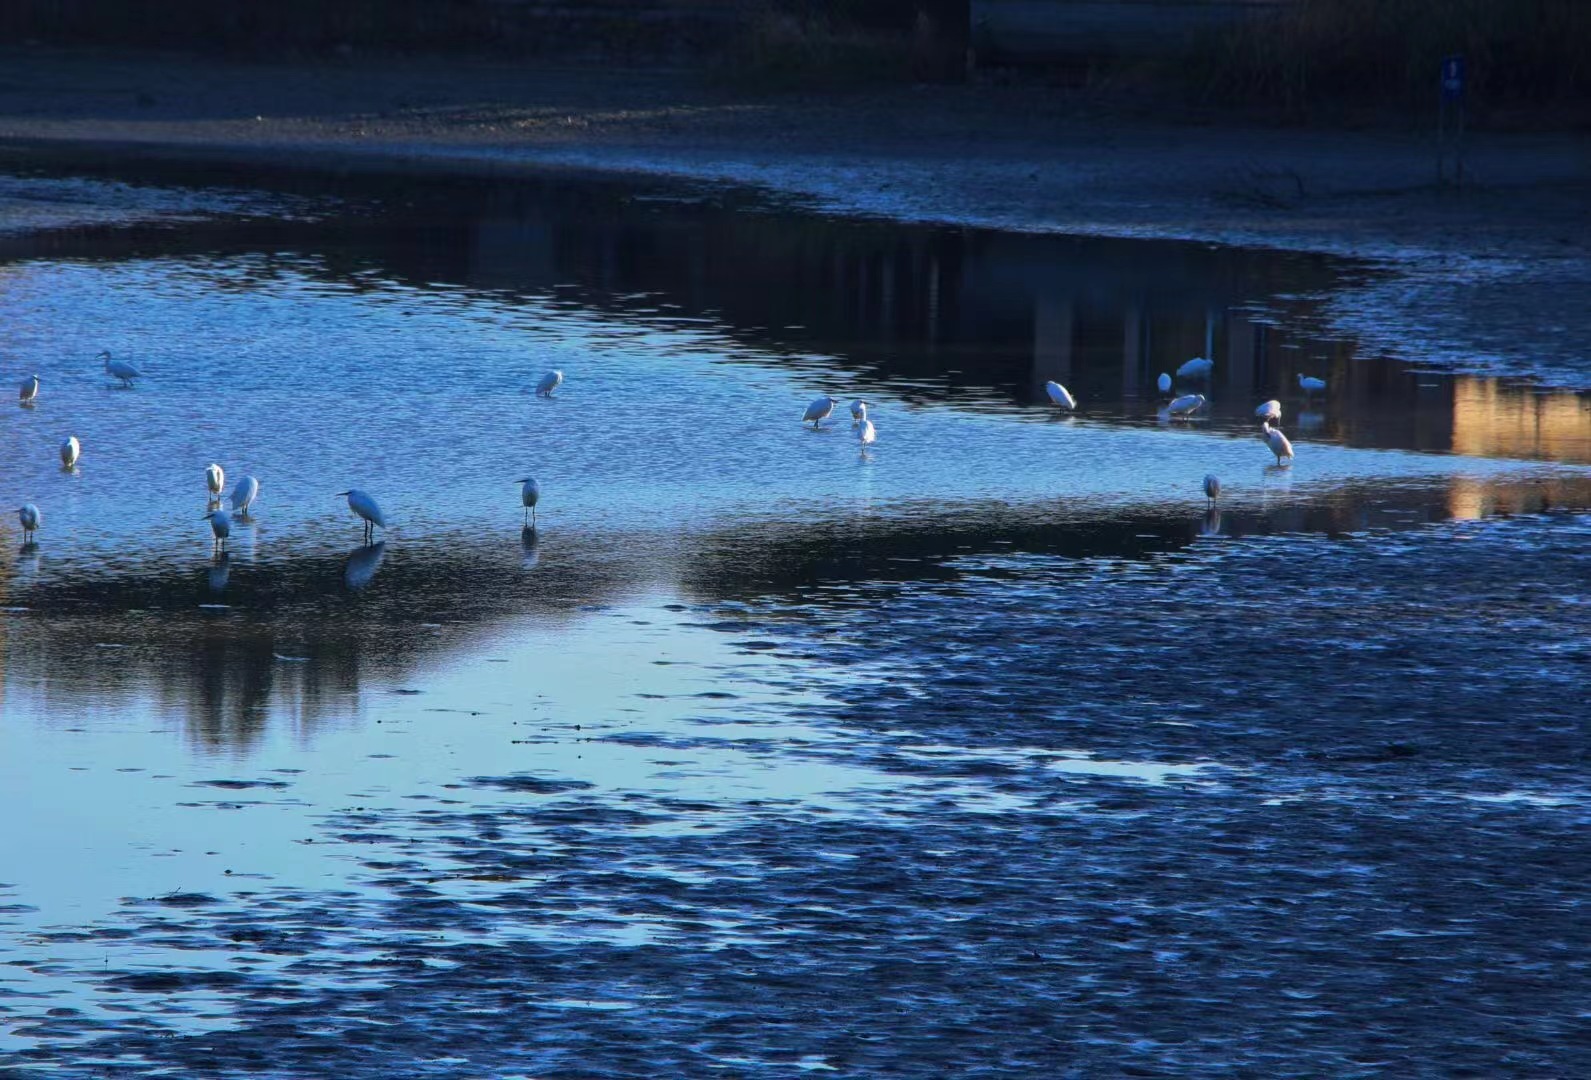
1476, 277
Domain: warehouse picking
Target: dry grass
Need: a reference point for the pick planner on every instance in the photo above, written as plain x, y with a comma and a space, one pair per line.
1321, 53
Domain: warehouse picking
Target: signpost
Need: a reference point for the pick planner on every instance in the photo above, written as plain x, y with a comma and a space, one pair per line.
1450, 119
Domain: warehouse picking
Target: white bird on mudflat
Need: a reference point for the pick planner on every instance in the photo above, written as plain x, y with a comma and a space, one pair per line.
1197, 368
1059, 395
866, 433
71, 450
119, 369
220, 525
1186, 405
29, 391
28, 515
858, 412
365, 507
1212, 487
214, 480
549, 382
1278, 443
529, 496
1311, 385
1270, 412
818, 410
1164, 382
243, 496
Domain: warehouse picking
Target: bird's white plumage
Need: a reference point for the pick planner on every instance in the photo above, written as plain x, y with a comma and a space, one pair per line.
1270, 412
1186, 404
1164, 382
28, 516
529, 496
244, 494
858, 412
214, 480
119, 369
1278, 443
549, 382
363, 505
29, 390
1311, 385
220, 524
866, 433
1212, 486
1059, 395
1195, 368
71, 450
818, 410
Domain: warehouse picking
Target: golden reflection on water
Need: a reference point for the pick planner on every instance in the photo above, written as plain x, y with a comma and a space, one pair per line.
1494, 420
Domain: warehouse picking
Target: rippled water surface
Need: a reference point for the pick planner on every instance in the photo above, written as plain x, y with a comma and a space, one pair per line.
987, 750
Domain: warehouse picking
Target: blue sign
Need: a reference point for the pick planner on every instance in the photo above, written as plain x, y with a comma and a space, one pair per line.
1452, 78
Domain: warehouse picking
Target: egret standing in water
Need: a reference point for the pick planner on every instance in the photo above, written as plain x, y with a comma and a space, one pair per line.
1278, 443
1212, 487
529, 496
865, 433
1060, 396
119, 369
214, 481
1197, 368
28, 515
365, 507
244, 494
220, 525
1164, 382
1270, 412
30, 390
818, 411
1311, 385
71, 450
549, 382
1186, 405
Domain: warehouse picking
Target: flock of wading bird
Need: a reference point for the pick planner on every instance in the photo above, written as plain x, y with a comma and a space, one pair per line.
248, 488
1180, 407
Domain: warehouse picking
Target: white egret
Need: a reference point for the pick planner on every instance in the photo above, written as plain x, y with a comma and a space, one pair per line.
858, 412
1212, 487
549, 382
1278, 443
817, 411
220, 525
71, 450
243, 496
1059, 395
1164, 382
866, 433
529, 495
365, 507
1186, 405
1311, 385
30, 390
214, 480
1270, 412
1197, 368
28, 515
119, 369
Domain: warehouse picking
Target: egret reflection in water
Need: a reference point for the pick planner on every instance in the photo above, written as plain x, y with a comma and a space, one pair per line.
363, 562
218, 573
1210, 524
528, 543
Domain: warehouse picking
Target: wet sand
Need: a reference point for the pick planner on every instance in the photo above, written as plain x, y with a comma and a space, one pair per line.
1481, 273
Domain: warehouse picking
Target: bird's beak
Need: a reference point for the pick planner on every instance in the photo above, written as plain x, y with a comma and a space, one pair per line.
342, 493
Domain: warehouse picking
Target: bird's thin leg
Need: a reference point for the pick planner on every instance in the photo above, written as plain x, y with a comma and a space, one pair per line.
533, 515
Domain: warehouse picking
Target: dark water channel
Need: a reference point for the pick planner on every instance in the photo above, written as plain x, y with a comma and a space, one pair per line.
987, 750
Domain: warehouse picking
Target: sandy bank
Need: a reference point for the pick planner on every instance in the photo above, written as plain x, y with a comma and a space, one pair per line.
1481, 278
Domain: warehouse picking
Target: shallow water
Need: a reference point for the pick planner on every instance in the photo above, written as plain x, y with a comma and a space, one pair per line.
691, 751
